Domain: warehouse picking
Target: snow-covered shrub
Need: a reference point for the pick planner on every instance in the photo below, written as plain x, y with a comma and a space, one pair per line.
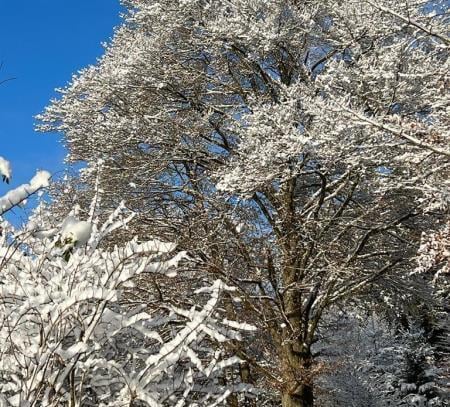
65, 337
69, 336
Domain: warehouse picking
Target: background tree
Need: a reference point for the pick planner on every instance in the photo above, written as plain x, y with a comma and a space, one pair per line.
298, 149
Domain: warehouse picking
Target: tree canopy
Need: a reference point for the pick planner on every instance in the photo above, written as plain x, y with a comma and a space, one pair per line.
297, 151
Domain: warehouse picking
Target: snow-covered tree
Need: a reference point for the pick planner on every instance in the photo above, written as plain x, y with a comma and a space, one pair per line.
73, 332
299, 149
379, 364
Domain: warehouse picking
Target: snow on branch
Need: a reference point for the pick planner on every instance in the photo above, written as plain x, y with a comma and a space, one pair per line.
5, 170
23, 192
67, 337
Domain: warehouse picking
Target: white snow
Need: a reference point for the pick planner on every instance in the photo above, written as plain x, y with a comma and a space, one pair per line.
21, 193
5, 169
40, 180
240, 227
76, 231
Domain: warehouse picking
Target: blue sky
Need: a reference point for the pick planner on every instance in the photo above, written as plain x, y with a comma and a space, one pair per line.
42, 43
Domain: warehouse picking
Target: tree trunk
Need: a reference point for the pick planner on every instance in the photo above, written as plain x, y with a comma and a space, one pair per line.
296, 349
297, 335
298, 384
302, 397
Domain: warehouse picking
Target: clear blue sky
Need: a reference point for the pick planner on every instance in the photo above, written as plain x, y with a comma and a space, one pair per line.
42, 43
